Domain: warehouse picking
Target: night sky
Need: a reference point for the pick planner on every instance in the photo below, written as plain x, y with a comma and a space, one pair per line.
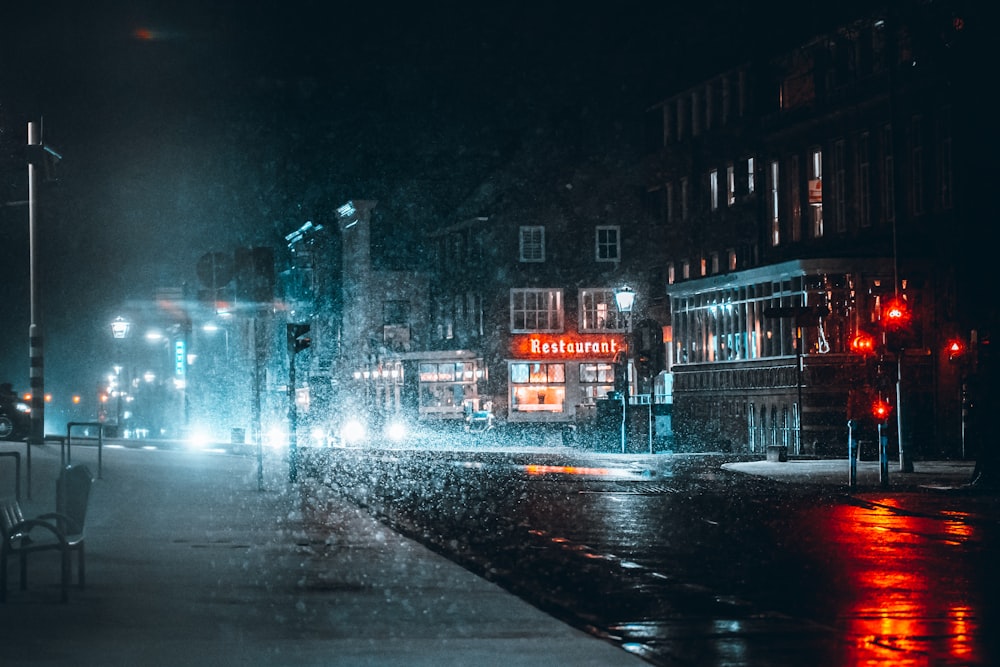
188, 127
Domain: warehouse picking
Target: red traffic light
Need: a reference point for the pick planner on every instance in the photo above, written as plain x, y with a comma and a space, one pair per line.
863, 344
881, 409
895, 314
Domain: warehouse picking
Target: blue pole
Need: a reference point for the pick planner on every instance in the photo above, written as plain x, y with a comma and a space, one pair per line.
883, 456
852, 453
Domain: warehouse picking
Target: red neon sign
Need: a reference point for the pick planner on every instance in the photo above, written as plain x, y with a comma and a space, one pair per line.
537, 346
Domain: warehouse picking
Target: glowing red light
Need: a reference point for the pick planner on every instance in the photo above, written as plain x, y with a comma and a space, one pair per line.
881, 409
863, 344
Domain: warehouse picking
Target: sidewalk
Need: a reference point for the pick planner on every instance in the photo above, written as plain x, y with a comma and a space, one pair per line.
934, 488
188, 563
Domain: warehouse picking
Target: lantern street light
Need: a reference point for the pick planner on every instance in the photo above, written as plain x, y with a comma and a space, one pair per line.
120, 327
625, 300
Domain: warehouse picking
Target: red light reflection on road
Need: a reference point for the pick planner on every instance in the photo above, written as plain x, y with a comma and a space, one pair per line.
900, 603
566, 470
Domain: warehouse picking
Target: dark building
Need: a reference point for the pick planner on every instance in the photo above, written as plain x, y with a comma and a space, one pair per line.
806, 195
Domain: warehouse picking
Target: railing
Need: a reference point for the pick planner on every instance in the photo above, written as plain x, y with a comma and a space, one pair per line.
65, 451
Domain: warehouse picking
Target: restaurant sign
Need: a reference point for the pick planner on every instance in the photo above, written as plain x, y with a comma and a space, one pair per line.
536, 346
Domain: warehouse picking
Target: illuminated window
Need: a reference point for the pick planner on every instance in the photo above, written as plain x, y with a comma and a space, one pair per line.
599, 312
537, 387
816, 192
608, 243
536, 310
730, 185
532, 243
446, 386
713, 189
596, 380
751, 184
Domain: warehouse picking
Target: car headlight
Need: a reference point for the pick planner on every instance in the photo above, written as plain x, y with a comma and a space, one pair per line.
396, 431
353, 431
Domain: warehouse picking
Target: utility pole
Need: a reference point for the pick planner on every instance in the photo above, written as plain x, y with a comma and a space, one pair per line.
36, 153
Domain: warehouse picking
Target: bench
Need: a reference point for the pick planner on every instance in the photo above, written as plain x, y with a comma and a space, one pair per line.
61, 530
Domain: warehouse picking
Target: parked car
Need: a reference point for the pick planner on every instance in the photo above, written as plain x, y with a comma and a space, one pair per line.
15, 417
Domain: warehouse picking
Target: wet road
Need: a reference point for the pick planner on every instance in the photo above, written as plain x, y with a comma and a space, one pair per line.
699, 566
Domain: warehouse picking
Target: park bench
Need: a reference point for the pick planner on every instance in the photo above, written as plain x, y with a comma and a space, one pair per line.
61, 530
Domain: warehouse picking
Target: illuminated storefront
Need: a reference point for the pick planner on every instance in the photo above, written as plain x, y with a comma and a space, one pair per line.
551, 377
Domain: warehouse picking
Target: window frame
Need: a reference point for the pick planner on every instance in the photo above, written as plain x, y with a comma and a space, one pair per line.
554, 312
600, 245
523, 243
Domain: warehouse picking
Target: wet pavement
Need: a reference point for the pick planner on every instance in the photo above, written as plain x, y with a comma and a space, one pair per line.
191, 562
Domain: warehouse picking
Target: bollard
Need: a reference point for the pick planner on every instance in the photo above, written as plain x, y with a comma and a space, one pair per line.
852, 453
883, 456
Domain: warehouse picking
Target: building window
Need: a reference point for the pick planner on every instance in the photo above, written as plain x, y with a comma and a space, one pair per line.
730, 185
945, 184
532, 244
713, 189
917, 164
596, 381
731, 261
685, 197
536, 387
536, 310
685, 269
751, 184
714, 258
864, 181
888, 189
599, 312
773, 204
671, 273
795, 197
445, 387
816, 192
608, 243
696, 112
670, 202
839, 186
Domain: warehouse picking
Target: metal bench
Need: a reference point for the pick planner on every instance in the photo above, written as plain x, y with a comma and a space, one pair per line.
62, 530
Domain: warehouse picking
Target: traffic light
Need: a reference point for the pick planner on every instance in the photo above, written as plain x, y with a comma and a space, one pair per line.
955, 348
895, 314
897, 323
297, 339
881, 409
863, 343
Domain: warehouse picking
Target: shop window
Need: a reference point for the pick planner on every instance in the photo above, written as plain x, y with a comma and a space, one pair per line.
596, 380
536, 387
446, 386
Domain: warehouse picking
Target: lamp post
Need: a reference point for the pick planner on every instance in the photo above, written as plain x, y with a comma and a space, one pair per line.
625, 299
120, 328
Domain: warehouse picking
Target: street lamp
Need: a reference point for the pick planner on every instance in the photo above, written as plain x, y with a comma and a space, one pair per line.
625, 299
120, 327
